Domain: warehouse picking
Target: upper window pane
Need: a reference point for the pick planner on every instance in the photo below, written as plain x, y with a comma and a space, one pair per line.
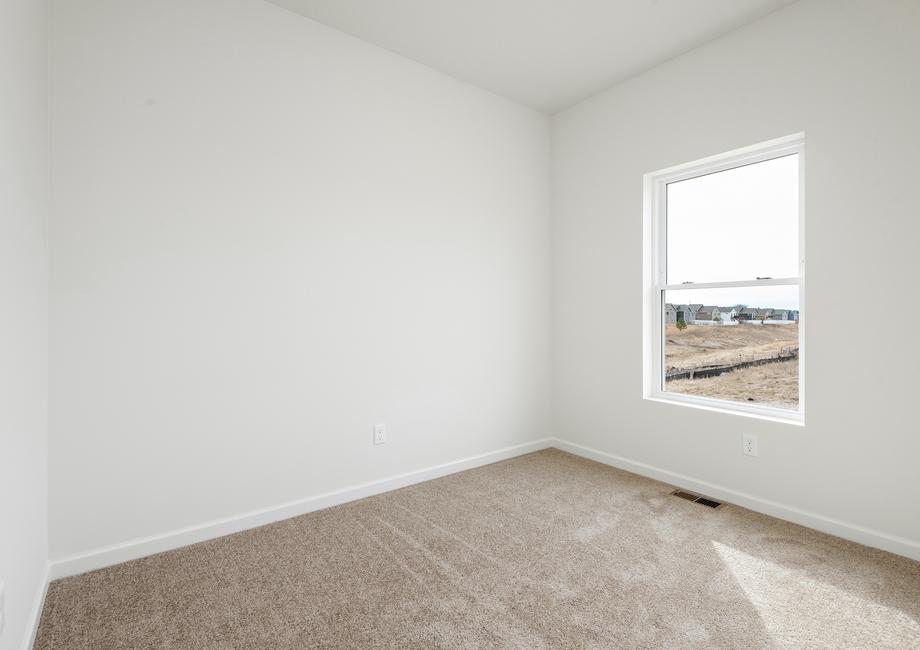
737, 224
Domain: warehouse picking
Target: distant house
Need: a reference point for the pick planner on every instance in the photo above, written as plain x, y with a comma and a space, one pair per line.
674, 313
785, 315
728, 314
686, 313
708, 313
670, 313
751, 314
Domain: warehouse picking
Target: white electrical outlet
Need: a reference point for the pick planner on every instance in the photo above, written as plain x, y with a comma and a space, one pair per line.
749, 444
380, 434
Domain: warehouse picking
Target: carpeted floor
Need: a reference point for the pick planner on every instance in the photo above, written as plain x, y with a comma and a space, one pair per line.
543, 551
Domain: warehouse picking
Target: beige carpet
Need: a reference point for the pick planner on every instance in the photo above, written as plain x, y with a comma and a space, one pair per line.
543, 551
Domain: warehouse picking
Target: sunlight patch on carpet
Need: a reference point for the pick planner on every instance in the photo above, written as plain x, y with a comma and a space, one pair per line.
800, 611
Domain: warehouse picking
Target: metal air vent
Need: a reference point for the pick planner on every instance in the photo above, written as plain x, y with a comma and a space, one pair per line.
696, 498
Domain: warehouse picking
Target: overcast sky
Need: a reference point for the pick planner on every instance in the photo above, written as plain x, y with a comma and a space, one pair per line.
739, 224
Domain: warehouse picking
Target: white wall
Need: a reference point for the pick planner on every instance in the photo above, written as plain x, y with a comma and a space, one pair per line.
846, 74
266, 237
23, 312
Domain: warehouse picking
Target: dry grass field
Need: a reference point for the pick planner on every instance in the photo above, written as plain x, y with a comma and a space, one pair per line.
775, 384
704, 345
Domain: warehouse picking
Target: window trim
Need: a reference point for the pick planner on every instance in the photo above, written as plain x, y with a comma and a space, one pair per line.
655, 275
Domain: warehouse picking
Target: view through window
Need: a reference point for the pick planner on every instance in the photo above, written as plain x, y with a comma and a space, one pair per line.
729, 282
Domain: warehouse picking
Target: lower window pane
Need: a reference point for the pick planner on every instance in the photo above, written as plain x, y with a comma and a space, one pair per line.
738, 344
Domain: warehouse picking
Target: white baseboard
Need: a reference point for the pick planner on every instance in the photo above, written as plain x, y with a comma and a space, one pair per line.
877, 539
35, 616
138, 548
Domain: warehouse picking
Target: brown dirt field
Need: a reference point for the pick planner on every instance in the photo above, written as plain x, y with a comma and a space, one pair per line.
703, 345
775, 384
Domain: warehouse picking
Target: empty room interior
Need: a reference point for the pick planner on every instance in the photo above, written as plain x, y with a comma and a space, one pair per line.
435, 324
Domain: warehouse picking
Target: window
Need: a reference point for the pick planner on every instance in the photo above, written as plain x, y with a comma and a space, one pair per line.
725, 281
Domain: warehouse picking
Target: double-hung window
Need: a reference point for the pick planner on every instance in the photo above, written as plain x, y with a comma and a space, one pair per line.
725, 281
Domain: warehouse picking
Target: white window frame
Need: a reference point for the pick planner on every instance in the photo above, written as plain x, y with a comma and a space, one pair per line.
655, 275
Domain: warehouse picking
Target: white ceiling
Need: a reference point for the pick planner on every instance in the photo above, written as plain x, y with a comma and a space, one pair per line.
548, 54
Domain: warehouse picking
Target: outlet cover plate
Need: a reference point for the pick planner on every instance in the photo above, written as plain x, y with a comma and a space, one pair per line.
749, 444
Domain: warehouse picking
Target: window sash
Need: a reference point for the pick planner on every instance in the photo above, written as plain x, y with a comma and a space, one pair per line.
767, 282
655, 232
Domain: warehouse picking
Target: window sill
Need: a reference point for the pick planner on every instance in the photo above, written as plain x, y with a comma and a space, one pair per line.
770, 414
